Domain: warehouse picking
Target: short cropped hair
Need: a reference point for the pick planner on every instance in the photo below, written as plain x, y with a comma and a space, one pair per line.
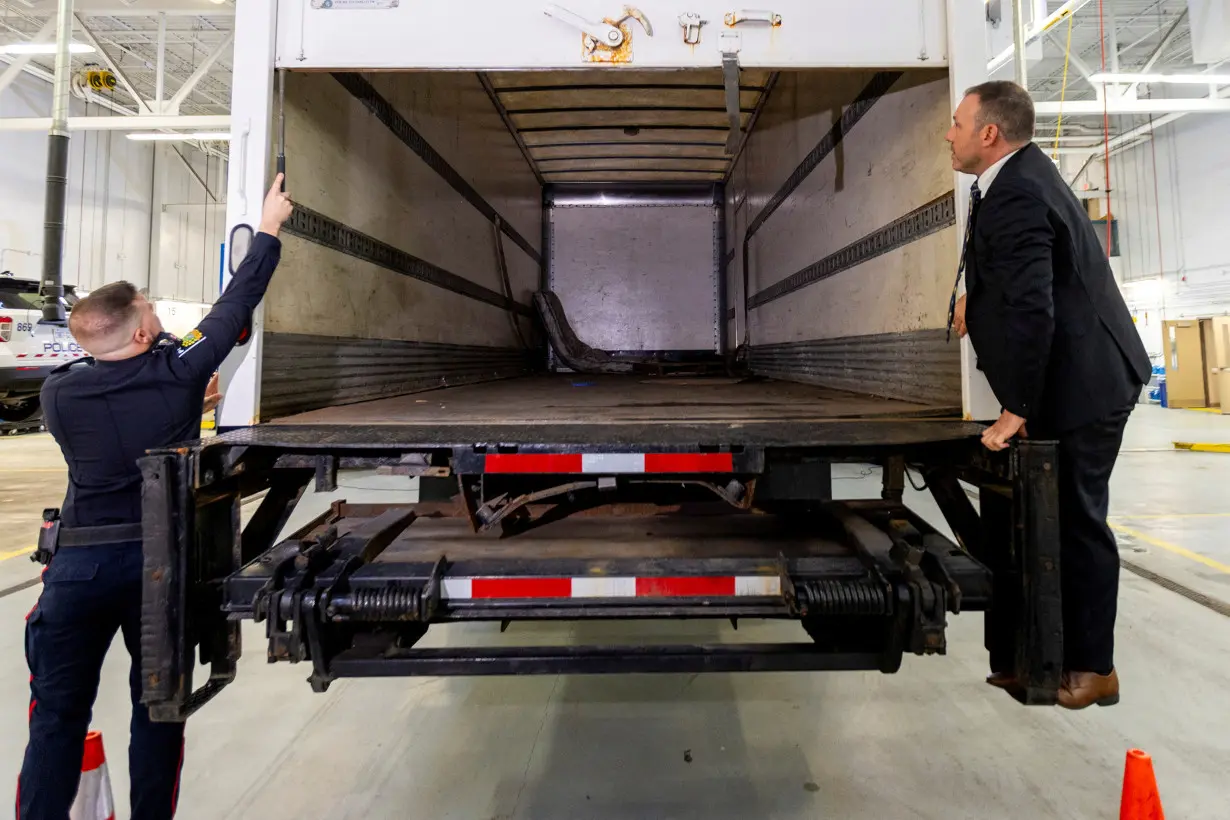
1008, 106
100, 321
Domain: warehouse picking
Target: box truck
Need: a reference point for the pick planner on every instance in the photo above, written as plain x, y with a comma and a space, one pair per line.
618, 287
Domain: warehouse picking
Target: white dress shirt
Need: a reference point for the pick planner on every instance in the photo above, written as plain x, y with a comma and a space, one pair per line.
988, 176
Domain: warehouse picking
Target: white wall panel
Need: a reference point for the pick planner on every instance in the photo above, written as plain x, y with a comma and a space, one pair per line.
109, 193
134, 211
1183, 176
190, 225
1169, 197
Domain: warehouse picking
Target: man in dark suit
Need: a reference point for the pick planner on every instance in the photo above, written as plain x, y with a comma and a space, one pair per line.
1058, 346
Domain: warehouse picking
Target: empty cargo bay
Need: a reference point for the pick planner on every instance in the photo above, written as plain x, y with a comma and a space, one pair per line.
643, 245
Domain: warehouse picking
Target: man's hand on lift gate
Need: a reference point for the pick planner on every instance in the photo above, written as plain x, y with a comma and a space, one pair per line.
277, 208
958, 318
997, 436
212, 395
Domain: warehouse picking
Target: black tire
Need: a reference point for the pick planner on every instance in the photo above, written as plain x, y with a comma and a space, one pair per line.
19, 410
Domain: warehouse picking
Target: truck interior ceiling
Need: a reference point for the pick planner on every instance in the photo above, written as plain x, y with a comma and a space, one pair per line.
613, 246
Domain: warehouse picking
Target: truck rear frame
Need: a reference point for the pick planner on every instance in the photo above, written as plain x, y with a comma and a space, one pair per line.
352, 592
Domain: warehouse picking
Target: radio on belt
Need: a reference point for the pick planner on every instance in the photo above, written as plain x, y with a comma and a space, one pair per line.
48, 536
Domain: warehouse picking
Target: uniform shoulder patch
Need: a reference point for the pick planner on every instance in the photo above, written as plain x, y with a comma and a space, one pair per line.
191, 339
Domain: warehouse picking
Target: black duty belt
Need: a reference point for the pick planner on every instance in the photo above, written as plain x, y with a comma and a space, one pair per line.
52, 536
94, 536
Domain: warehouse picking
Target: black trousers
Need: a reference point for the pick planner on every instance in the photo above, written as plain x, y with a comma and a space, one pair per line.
89, 594
1089, 557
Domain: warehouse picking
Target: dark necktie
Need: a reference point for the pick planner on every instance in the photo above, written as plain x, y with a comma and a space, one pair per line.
975, 197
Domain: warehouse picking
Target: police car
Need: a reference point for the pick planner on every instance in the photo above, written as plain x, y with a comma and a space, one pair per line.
28, 350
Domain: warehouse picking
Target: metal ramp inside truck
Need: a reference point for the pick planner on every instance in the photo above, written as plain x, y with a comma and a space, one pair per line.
567, 345
581, 358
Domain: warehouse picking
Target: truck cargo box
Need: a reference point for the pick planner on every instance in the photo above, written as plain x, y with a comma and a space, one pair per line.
432, 206
618, 312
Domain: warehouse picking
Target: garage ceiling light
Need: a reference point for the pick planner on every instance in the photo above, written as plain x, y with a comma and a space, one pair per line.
191, 136
1181, 79
44, 48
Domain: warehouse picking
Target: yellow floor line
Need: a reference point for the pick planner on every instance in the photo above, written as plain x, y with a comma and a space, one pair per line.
1204, 409
4, 556
1203, 447
1169, 547
1163, 516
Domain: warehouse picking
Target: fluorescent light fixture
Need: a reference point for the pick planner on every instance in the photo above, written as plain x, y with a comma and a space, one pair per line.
44, 48
190, 136
1181, 79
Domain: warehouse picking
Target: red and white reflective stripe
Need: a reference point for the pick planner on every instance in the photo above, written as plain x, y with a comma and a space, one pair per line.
610, 463
705, 586
51, 355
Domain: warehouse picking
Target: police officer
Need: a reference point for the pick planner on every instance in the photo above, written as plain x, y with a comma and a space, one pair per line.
140, 389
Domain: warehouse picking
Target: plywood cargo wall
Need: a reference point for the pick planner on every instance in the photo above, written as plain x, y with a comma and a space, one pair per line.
389, 282
851, 265
344, 163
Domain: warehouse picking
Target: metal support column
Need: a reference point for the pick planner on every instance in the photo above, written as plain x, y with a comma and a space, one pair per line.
1112, 37
55, 205
161, 72
1018, 42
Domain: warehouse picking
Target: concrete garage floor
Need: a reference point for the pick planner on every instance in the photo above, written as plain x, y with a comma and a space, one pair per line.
931, 742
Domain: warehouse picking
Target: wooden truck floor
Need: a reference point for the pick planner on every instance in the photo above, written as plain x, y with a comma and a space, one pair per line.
577, 399
573, 411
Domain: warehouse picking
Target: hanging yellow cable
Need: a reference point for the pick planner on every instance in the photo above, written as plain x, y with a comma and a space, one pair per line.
1063, 89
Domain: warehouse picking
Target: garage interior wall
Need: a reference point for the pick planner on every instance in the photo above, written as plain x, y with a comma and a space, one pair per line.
1169, 198
120, 224
189, 223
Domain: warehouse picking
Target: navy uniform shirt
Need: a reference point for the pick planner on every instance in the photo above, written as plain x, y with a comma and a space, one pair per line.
106, 415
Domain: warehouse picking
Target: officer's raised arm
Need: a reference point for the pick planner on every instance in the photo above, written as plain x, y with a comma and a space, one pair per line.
203, 349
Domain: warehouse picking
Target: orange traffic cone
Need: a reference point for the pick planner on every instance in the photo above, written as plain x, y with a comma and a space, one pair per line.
1140, 798
94, 801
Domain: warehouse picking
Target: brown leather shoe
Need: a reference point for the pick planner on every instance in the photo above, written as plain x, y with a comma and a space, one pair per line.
1002, 680
1081, 689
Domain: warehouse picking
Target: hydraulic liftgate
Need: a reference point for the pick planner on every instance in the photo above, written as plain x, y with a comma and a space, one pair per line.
560, 535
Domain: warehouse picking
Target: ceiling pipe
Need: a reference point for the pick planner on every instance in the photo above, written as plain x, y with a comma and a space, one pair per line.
150, 122
1116, 106
1130, 91
1004, 57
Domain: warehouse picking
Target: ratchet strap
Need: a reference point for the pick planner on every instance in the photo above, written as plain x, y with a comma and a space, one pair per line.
730, 83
